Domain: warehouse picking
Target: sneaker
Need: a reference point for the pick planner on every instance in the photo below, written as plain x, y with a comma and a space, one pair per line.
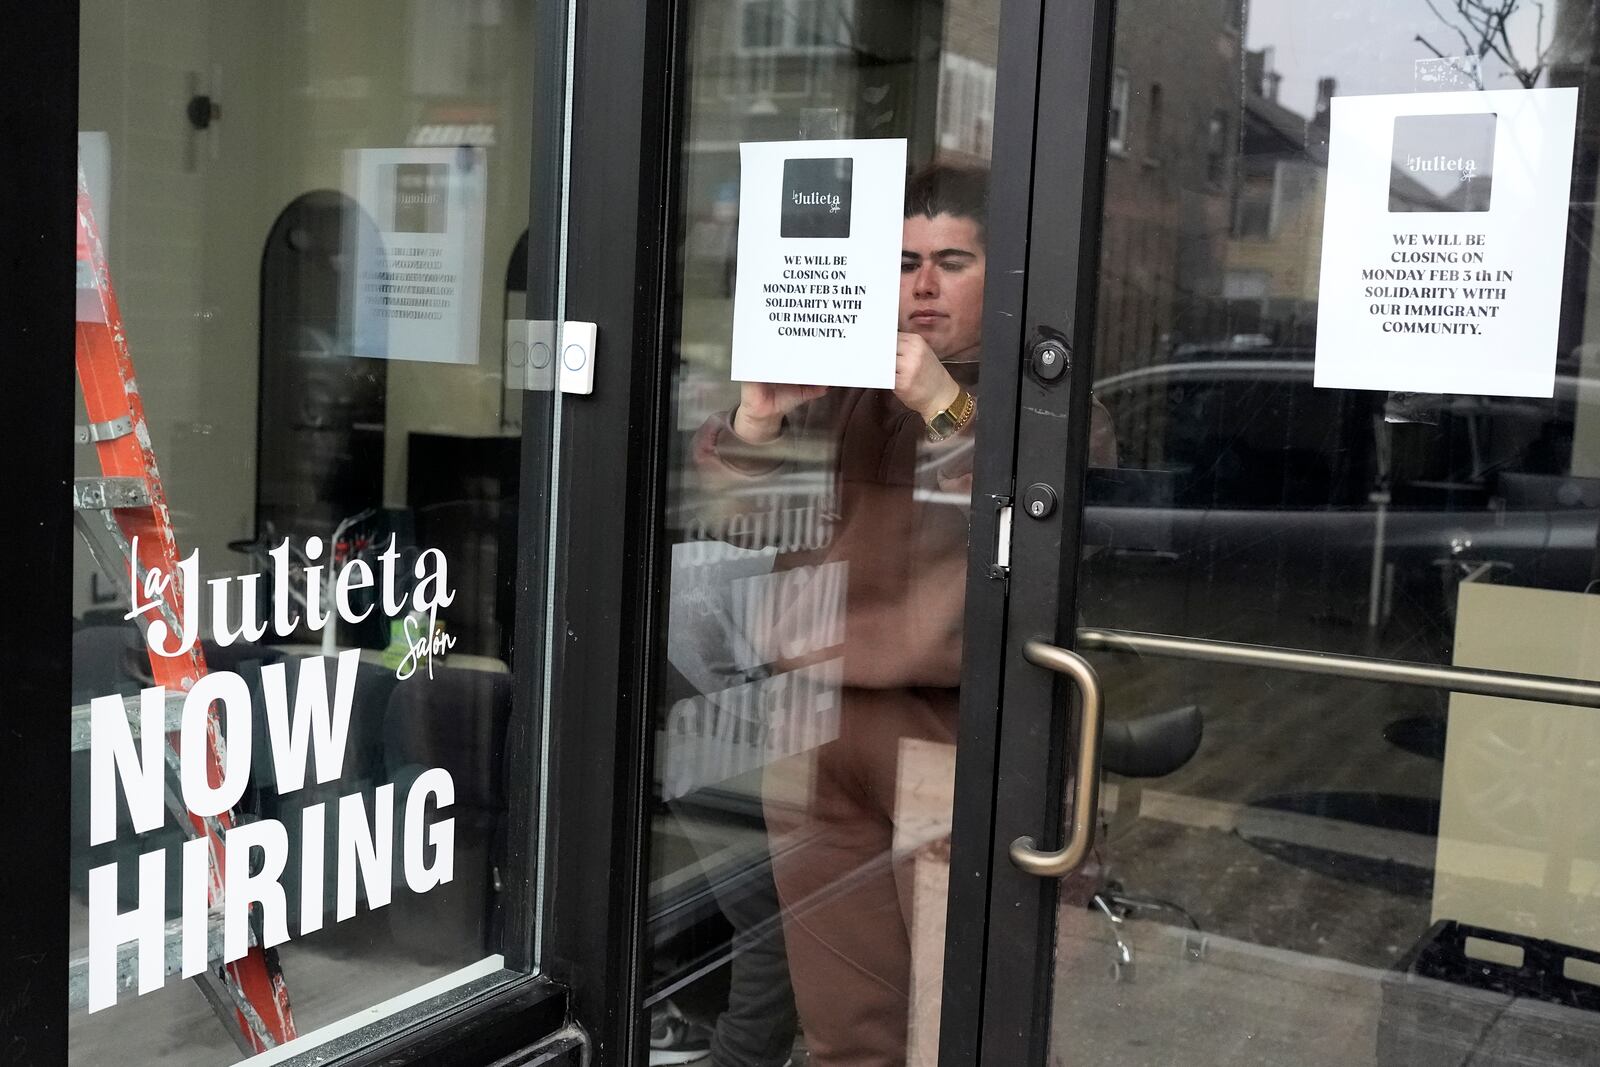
675, 1039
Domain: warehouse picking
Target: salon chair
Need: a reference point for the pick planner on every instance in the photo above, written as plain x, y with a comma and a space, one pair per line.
1149, 746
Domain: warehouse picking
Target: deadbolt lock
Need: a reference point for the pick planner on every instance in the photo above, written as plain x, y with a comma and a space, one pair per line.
1038, 501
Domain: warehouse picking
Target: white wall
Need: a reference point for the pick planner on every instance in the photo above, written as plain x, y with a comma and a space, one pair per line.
299, 83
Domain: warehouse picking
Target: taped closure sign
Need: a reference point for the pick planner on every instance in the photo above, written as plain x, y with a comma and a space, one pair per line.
1444, 237
818, 290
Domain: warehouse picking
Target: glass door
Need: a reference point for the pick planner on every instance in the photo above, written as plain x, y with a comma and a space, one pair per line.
1335, 594
828, 624
319, 251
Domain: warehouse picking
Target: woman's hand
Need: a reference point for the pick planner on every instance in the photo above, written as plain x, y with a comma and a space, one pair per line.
762, 407
920, 380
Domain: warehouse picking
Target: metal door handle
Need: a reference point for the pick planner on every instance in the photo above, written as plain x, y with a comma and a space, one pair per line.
1086, 805
1474, 680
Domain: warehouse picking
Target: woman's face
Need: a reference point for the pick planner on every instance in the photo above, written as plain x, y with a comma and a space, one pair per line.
941, 283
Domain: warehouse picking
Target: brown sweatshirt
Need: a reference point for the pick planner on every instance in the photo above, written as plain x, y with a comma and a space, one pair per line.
882, 500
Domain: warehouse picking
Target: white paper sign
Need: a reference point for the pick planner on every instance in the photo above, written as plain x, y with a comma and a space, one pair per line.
1444, 236
418, 250
818, 292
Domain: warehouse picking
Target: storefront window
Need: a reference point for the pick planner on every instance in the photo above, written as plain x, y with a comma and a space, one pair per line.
305, 412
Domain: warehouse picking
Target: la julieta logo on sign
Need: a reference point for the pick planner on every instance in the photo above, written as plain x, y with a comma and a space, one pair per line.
1442, 163
816, 198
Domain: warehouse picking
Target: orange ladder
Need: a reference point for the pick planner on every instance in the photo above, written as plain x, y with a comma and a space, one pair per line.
125, 503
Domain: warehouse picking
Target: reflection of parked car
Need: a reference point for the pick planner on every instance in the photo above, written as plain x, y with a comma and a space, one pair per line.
1284, 513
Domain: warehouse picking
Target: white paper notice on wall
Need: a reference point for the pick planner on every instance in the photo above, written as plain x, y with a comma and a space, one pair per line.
818, 291
1444, 236
417, 246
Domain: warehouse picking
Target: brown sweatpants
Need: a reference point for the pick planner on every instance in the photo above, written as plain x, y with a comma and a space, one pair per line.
846, 899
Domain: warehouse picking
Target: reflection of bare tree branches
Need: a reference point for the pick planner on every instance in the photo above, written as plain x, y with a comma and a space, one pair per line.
1481, 25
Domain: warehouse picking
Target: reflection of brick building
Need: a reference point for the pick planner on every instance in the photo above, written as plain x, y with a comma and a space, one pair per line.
779, 69
1572, 63
1173, 134
764, 70
1274, 255
965, 117
1274, 251
1213, 195
768, 70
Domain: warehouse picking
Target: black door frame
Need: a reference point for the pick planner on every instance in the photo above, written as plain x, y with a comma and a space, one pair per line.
612, 449
1043, 243
982, 703
38, 124
1052, 446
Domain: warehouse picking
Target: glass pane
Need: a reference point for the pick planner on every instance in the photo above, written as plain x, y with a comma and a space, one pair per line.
304, 235
806, 719
1310, 870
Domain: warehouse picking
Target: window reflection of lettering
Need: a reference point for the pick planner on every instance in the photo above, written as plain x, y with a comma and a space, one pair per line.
750, 640
717, 736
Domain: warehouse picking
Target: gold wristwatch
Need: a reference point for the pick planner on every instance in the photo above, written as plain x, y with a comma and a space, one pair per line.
954, 417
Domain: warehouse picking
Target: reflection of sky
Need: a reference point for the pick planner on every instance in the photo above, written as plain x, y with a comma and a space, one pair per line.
1370, 45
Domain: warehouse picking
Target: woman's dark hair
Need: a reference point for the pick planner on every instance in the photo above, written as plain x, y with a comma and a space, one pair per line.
948, 189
